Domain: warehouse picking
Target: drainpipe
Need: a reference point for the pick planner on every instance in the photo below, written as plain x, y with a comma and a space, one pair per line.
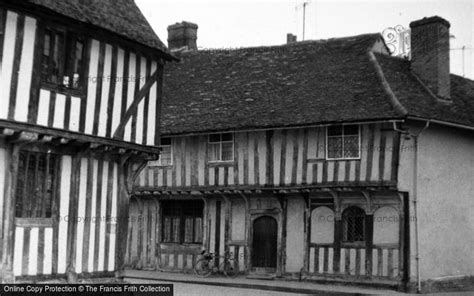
415, 197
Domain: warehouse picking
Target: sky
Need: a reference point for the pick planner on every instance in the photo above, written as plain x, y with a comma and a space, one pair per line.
246, 23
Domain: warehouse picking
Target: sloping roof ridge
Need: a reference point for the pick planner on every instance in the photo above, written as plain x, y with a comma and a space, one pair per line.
394, 101
294, 44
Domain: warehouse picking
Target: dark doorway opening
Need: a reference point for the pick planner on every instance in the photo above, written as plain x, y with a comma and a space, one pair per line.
264, 246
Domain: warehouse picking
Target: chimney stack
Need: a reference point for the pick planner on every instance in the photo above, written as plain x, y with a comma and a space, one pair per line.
430, 54
182, 35
290, 38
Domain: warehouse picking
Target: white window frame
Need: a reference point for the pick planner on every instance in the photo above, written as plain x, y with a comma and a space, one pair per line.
343, 158
220, 146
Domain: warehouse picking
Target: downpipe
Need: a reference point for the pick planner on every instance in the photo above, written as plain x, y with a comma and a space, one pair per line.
415, 137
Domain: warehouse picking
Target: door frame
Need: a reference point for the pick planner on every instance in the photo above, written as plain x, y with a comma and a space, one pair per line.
277, 215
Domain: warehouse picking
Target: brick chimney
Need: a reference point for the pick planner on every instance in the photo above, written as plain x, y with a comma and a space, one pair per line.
430, 54
182, 35
290, 38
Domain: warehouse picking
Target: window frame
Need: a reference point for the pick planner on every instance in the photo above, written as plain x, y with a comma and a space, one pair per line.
342, 136
49, 157
344, 238
180, 205
66, 58
220, 147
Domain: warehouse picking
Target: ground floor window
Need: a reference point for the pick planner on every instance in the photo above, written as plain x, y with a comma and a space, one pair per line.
182, 221
36, 184
353, 223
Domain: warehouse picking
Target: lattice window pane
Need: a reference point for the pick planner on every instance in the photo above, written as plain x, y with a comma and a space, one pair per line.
351, 146
335, 147
353, 220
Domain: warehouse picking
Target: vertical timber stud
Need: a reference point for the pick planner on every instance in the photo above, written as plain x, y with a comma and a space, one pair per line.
337, 232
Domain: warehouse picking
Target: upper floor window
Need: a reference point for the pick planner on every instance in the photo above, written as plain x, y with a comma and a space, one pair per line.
343, 142
353, 224
63, 58
36, 184
221, 147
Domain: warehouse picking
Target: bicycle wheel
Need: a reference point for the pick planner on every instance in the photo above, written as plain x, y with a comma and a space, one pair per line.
202, 268
231, 268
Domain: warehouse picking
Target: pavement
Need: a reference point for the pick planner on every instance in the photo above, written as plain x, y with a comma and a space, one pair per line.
241, 282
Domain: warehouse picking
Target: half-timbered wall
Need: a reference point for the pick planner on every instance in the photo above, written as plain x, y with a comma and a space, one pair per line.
82, 231
105, 108
279, 158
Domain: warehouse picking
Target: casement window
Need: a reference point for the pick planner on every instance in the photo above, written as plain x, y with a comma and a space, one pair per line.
182, 221
63, 59
343, 142
36, 184
353, 225
221, 147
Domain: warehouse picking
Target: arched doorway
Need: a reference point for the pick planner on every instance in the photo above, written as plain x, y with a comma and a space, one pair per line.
264, 245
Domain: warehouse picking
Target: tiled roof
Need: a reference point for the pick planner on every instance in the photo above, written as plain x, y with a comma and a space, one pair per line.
420, 103
122, 17
297, 84
304, 83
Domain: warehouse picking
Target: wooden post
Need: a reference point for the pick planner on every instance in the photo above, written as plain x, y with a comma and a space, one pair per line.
337, 232
123, 204
281, 267
73, 217
247, 232
307, 238
226, 223
369, 228
9, 214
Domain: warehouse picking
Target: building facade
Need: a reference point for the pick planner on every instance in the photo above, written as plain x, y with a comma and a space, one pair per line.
320, 160
80, 93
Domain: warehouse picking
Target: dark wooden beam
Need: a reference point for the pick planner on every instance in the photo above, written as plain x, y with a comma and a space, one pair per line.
133, 107
69, 136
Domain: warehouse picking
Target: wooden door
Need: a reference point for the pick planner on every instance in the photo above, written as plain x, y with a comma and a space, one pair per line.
264, 246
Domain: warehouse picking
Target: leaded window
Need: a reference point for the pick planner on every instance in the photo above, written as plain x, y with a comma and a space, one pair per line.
343, 142
353, 222
36, 184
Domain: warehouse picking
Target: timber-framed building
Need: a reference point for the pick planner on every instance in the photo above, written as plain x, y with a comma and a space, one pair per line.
80, 94
327, 160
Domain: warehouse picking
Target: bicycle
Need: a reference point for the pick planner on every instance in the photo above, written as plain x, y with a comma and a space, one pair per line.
207, 265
